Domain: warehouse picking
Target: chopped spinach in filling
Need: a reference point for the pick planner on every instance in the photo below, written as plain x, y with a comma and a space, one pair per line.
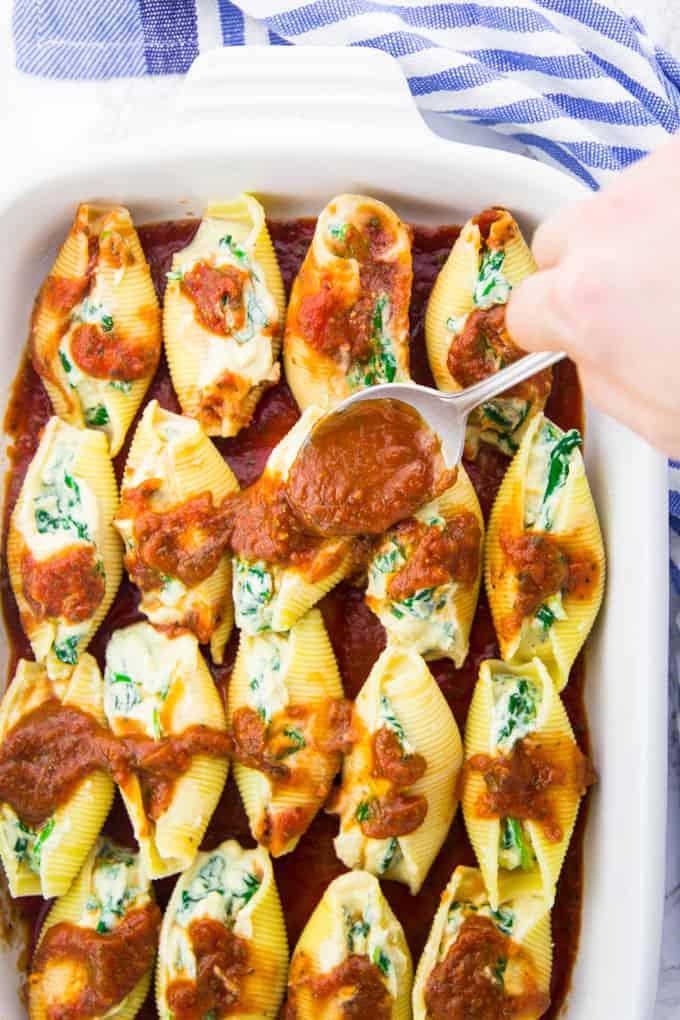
516, 701
515, 850
552, 457
503, 918
233, 882
27, 843
492, 287
58, 507
381, 365
114, 887
253, 592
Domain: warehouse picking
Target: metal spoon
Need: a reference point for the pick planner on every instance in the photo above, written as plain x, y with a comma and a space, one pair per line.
446, 413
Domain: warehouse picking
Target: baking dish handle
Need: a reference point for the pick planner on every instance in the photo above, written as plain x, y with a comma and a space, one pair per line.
343, 86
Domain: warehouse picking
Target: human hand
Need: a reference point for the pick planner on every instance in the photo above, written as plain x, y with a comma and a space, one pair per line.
609, 295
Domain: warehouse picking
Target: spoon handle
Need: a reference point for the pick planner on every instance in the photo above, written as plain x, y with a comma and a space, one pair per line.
466, 400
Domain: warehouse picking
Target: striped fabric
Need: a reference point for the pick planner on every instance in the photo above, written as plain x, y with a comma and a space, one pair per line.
578, 83
575, 81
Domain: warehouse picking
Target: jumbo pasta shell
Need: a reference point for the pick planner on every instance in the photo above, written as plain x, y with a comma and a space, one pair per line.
444, 631
452, 294
315, 379
92, 468
403, 678
553, 729
260, 923
118, 279
576, 528
314, 376
74, 826
310, 676
270, 596
179, 831
531, 931
323, 944
170, 843
176, 451
462, 495
188, 341
68, 909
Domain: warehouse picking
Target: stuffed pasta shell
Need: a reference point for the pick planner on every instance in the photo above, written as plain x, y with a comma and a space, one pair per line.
423, 580
223, 948
63, 555
95, 331
399, 781
289, 726
545, 562
162, 705
465, 329
174, 482
223, 316
347, 325
500, 959
98, 943
280, 569
351, 954
523, 780
55, 791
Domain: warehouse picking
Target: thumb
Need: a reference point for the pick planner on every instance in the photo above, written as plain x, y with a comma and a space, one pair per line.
534, 319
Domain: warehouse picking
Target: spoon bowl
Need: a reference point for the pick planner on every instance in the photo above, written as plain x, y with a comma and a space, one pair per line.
447, 413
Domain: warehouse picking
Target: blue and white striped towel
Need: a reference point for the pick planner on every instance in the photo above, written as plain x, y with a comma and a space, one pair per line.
575, 81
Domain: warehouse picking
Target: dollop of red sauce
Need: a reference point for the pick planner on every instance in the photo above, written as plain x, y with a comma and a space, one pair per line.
217, 293
363, 469
390, 761
112, 355
262, 526
356, 986
543, 568
222, 963
356, 633
395, 812
328, 317
521, 784
69, 584
468, 983
113, 962
186, 541
322, 732
52, 748
437, 555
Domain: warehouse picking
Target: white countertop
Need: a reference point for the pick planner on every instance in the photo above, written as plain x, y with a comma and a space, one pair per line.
37, 116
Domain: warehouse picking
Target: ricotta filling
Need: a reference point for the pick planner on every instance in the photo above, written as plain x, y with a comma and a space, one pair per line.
142, 666
223, 888
58, 511
247, 352
427, 619
94, 395
117, 885
516, 706
554, 455
363, 930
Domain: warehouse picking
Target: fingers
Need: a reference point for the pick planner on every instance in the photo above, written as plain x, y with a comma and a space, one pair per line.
533, 319
551, 241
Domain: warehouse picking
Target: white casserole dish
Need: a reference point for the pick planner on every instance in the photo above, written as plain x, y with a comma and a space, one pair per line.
297, 126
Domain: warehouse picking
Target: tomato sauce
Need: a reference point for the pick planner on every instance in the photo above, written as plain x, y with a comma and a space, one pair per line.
116, 960
356, 633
